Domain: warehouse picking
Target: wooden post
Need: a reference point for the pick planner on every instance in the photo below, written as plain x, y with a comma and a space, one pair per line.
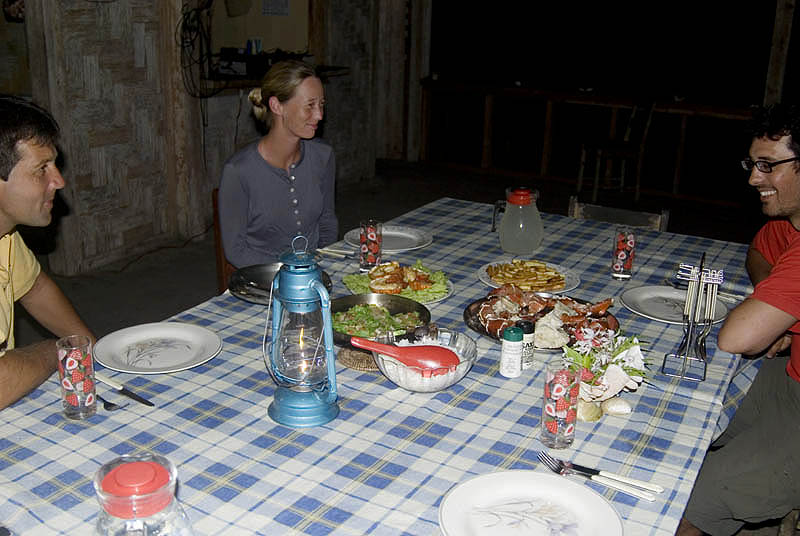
547, 142
425, 126
676, 179
418, 69
782, 32
488, 110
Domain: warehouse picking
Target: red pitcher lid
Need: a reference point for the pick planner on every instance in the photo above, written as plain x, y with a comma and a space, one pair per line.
134, 487
520, 196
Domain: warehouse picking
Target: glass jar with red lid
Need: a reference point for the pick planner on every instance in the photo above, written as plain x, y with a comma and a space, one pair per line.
137, 496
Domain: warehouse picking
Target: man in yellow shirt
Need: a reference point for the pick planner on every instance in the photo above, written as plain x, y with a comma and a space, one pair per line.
29, 180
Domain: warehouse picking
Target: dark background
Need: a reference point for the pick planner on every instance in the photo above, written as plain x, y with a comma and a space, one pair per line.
711, 52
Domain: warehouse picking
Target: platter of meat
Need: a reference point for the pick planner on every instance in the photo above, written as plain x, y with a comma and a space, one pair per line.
557, 318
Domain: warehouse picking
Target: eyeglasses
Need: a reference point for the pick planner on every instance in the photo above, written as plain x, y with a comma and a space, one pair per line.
764, 166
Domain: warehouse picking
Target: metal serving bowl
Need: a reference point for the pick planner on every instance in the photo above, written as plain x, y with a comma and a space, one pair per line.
393, 303
253, 283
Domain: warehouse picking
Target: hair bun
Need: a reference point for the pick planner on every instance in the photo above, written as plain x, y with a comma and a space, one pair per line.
255, 96
259, 109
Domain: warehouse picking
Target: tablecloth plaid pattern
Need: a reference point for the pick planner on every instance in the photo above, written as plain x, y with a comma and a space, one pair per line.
383, 466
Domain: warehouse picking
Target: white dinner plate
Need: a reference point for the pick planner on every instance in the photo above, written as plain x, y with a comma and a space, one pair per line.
571, 280
526, 503
396, 238
157, 348
664, 304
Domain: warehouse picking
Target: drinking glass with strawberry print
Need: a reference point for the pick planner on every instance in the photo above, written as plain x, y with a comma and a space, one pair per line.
370, 240
559, 405
622, 258
76, 375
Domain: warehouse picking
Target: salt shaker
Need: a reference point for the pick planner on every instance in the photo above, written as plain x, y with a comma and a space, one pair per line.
511, 353
137, 497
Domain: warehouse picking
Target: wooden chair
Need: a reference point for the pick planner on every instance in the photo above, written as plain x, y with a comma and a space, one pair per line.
629, 150
224, 268
634, 218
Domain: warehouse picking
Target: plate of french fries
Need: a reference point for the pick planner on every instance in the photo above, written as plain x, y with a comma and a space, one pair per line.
533, 275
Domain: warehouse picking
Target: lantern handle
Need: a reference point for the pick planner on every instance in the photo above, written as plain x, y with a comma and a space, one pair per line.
327, 336
294, 249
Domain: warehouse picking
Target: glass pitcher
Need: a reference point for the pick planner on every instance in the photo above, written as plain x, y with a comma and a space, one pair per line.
521, 229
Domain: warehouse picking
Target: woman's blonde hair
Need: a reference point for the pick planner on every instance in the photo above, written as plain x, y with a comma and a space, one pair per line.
281, 81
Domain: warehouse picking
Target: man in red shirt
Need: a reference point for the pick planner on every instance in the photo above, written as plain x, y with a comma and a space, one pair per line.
752, 472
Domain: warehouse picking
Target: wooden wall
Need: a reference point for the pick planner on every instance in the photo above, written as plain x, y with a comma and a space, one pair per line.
109, 73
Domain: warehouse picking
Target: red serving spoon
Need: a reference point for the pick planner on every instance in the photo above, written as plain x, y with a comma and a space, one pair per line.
426, 356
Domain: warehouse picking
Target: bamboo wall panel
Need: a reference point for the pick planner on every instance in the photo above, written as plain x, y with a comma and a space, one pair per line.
106, 66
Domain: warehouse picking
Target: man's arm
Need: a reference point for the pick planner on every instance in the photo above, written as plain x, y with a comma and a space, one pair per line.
24, 369
48, 305
757, 266
752, 327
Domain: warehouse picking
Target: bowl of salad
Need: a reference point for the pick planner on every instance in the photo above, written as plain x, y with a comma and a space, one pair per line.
374, 315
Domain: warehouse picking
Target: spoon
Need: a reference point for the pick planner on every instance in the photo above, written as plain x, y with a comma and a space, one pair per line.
422, 356
107, 405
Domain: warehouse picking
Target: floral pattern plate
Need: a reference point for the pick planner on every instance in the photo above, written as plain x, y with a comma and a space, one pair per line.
529, 503
157, 348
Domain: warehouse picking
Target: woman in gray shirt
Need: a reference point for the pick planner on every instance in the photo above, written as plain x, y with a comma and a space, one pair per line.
283, 184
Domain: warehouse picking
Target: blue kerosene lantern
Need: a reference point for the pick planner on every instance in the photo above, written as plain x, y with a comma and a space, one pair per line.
301, 358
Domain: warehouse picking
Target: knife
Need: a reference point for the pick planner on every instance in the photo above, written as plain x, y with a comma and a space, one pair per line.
121, 389
588, 471
619, 486
336, 254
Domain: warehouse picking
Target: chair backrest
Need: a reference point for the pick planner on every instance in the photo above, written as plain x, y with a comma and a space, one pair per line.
224, 268
634, 218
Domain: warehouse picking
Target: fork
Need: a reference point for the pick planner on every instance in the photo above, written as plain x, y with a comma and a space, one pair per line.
109, 406
559, 467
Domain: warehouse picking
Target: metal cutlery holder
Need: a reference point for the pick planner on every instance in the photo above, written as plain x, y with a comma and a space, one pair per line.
689, 360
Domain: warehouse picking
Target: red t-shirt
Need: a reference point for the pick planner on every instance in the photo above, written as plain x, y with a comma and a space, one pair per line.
779, 242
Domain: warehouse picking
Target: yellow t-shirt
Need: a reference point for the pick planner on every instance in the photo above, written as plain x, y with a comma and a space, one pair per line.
18, 271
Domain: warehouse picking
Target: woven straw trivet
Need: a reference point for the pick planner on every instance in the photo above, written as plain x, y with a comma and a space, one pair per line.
357, 359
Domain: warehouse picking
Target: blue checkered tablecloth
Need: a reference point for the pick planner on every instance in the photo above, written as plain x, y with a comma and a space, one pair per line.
383, 466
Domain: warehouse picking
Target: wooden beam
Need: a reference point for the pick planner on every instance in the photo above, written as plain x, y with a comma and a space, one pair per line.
547, 141
488, 113
418, 69
318, 30
781, 34
676, 179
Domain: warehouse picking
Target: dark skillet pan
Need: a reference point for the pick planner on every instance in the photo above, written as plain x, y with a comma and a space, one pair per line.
393, 303
253, 283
